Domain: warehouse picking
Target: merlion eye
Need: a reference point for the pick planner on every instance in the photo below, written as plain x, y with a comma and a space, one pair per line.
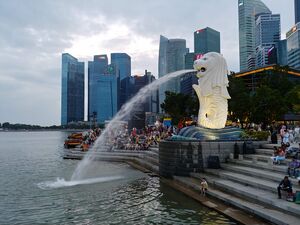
202, 69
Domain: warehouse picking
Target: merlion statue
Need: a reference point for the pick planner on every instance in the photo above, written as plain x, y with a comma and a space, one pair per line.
212, 90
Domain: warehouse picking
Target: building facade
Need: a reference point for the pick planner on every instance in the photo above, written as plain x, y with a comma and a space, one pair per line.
149, 106
267, 36
293, 46
297, 11
103, 85
72, 91
122, 63
189, 59
207, 40
248, 11
171, 58
282, 53
186, 83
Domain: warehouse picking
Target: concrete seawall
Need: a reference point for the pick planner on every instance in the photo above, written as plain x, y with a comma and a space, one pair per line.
180, 158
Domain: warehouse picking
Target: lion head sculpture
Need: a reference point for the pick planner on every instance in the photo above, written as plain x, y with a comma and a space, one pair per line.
212, 90
212, 72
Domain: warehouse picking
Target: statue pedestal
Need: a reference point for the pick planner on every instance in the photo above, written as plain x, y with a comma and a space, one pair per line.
206, 134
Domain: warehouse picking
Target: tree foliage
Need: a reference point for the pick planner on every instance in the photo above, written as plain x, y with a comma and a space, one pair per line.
239, 104
267, 105
179, 106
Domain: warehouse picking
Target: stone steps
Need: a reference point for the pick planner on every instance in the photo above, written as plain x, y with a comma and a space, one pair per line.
146, 164
154, 149
251, 194
248, 180
264, 158
259, 165
269, 146
151, 157
264, 151
258, 173
273, 215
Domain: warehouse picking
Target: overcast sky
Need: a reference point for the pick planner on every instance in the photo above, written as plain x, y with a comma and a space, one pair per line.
34, 33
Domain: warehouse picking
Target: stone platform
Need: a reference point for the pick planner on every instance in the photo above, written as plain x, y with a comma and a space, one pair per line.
180, 158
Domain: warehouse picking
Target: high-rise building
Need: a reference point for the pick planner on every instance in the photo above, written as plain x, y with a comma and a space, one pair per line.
150, 104
103, 84
282, 53
267, 35
186, 83
206, 40
297, 11
126, 90
293, 46
171, 58
248, 11
189, 59
72, 91
122, 63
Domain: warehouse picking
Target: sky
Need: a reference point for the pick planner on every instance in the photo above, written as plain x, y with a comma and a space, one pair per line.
34, 34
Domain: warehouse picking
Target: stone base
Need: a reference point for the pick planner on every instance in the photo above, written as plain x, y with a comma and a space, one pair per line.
180, 158
203, 134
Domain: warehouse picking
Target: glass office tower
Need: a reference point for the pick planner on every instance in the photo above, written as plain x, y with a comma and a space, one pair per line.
72, 91
122, 63
248, 10
282, 53
293, 46
267, 36
206, 40
297, 11
171, 58
103, 89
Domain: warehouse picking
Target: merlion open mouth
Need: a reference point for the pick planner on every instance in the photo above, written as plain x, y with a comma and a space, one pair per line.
201, 69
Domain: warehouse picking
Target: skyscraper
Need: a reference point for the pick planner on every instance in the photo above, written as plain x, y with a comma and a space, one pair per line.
122, 63
148, 106
103, 89
267, 36
282, 53
206, 40
248, 10
171, 58
297, 11
189, 59
72, 91
293, 46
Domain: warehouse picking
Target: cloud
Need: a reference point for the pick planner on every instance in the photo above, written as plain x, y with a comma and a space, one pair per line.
34, 33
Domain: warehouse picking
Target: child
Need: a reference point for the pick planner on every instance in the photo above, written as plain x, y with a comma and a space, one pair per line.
204, 186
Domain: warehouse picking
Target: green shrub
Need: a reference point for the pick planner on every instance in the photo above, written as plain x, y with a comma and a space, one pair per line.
255, 135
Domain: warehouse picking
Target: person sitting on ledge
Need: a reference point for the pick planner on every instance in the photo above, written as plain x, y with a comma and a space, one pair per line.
292, 168
279, 157
285, 185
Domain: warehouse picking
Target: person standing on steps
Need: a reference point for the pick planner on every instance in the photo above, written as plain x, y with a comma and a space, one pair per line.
204, 186
285, 185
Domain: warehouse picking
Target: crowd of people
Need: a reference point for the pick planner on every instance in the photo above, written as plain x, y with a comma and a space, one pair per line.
140, 139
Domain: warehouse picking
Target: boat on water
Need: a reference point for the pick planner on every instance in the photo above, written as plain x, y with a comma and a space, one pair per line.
82, 140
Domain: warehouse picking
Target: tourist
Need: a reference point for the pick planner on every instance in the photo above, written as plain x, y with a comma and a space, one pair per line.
286, 137
283, 128
279, 157
273, 132
285, 185
204, 186
292, 168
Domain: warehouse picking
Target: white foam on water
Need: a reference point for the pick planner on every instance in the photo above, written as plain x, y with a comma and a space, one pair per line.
61, 182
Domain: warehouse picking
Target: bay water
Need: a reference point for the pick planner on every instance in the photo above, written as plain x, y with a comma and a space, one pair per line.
35, 188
